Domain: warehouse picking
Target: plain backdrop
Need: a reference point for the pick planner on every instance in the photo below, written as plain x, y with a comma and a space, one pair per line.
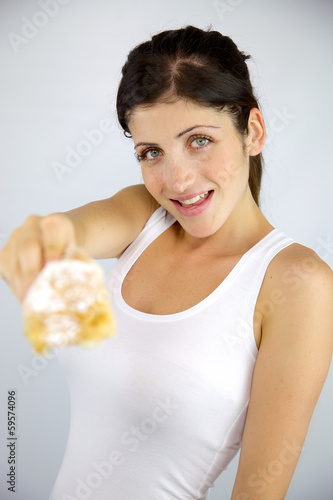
60, 66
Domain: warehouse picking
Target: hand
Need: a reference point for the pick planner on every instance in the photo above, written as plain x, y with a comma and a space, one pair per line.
31, 246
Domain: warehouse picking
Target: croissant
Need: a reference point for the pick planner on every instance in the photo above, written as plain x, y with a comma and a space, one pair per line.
68, 304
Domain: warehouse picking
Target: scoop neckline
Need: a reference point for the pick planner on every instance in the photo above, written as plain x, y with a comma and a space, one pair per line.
196, 307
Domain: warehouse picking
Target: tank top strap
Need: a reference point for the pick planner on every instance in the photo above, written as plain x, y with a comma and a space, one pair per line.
253, 272
156, 225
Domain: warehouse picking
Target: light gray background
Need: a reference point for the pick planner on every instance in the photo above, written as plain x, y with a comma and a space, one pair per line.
63, 81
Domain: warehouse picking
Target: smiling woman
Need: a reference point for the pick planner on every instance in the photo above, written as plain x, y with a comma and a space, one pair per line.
214, 350
197, 170
203, 68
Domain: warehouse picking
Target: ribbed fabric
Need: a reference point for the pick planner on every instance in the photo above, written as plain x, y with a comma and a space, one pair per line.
158, 412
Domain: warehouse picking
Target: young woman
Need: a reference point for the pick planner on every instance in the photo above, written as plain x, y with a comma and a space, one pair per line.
224, 323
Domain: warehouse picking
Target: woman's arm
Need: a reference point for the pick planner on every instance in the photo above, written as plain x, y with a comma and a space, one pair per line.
102, 228
105, 228
291, 368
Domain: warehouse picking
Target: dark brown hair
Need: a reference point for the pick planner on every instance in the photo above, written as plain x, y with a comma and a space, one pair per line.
189, 63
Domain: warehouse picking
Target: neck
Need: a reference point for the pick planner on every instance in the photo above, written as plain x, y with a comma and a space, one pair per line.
245, 226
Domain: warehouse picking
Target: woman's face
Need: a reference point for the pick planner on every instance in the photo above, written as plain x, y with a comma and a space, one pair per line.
194, 163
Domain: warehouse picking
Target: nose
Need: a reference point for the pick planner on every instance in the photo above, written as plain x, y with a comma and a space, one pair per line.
180, 174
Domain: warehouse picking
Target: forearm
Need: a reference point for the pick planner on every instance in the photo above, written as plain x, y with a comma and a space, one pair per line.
102, 228
269, 482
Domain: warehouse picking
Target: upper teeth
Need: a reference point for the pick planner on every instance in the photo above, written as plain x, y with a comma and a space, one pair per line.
194, 200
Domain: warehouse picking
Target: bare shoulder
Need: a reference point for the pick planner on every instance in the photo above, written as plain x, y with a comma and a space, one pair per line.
298, 267
302, 284
296, 296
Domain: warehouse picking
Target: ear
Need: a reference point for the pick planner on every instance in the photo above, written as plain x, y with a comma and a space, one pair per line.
257, 132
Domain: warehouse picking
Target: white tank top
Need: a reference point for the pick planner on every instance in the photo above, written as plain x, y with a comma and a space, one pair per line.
157, 413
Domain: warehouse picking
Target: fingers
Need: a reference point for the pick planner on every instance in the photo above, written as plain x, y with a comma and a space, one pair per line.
57, 233
30, 247
9, 266
28, 260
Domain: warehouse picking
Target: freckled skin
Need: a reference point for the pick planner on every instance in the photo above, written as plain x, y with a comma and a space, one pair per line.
183, 165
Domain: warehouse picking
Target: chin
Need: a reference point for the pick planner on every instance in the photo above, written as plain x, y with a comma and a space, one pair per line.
200, 230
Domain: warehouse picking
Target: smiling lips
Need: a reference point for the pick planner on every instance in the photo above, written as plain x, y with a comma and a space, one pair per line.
195, 201
193, 205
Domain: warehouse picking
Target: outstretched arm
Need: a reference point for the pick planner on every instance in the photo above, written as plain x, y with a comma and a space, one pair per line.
105, 228
291, 368
102, 228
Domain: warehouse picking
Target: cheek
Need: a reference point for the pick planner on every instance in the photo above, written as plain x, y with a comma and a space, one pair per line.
226, 172
152, 180
231, 169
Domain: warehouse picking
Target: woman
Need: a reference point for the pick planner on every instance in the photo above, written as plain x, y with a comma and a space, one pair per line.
224, 323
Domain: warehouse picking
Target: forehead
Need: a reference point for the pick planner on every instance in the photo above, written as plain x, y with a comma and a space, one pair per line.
173, 117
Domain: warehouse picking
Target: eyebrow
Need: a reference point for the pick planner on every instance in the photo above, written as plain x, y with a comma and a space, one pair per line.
177, 136
192, 128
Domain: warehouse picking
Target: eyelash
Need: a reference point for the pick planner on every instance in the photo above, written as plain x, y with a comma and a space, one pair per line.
142, 157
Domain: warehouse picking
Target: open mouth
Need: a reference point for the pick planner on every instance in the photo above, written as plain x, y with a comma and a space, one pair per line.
194, 206
195, 201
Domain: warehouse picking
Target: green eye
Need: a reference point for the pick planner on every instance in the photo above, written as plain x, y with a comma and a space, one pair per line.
154, 153
148, 155
199, 142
